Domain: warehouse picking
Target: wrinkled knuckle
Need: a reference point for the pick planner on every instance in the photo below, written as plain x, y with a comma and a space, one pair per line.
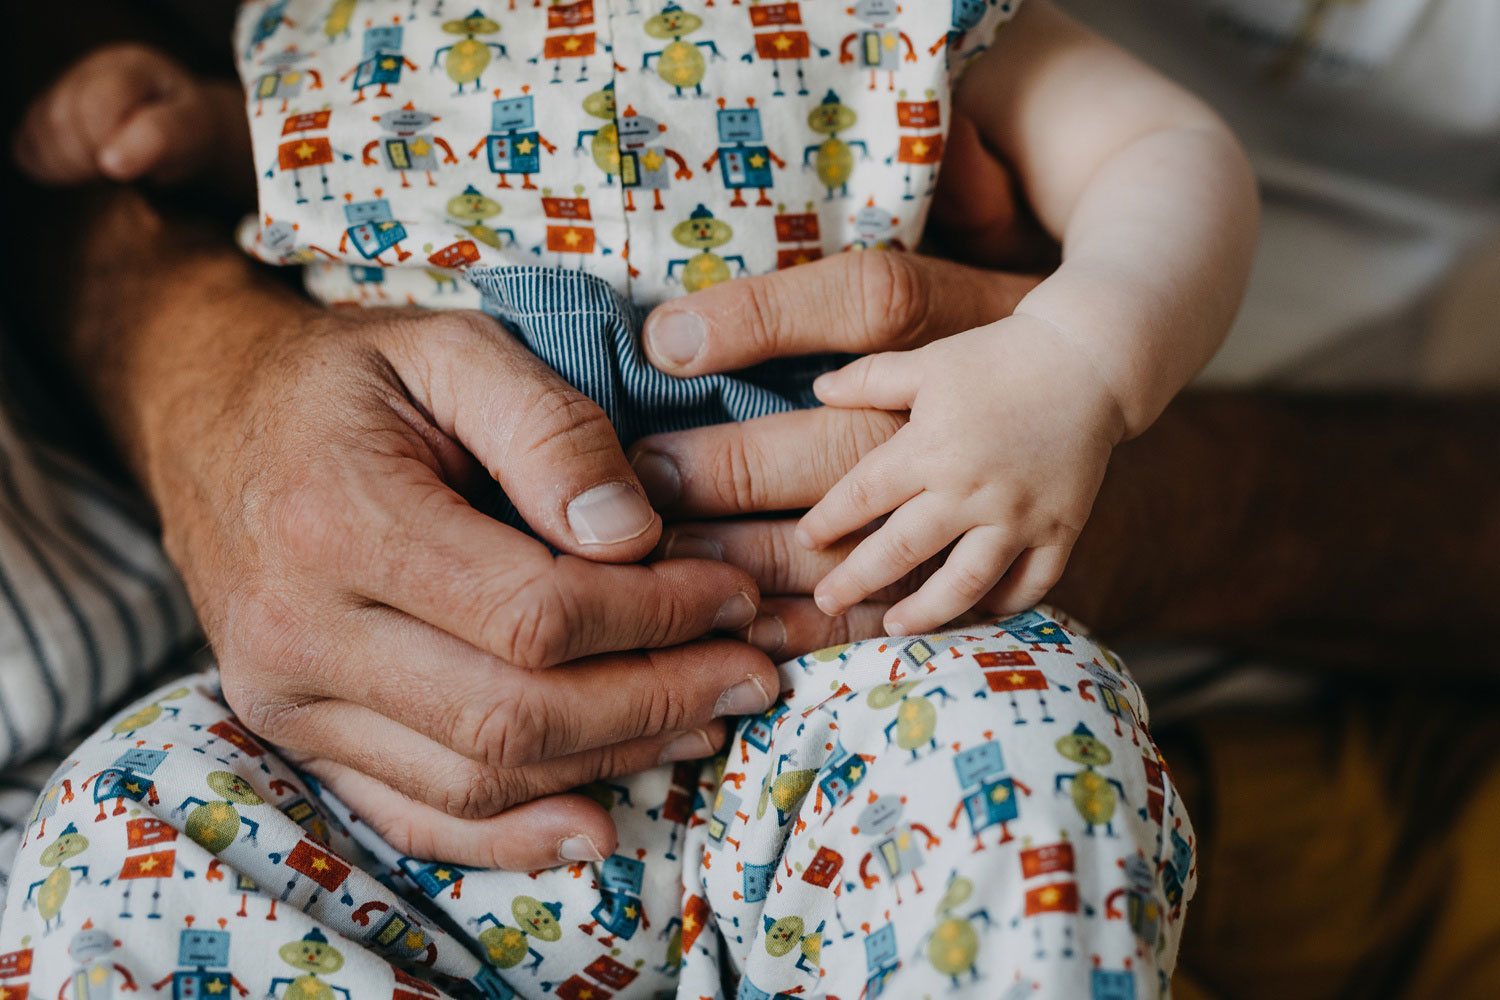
733, 477
669, 619
893, 293
476, 791
662, 707
562, 418
528, 627
509, 734
763, 316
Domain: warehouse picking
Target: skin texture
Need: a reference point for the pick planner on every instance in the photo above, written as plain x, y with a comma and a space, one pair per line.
1155, 207
229, 395
308, 468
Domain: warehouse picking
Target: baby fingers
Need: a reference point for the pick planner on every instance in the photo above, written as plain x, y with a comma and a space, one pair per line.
877, 485
1028, 580
972, 569
913, 534
881, 381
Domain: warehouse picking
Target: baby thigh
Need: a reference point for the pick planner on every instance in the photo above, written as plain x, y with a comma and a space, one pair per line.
978, 813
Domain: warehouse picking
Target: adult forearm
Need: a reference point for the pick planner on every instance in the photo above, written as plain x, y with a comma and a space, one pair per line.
1342, 525
155, 300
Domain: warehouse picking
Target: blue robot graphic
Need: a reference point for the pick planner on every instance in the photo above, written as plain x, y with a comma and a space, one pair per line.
204, 954
757, 730
839, 776
269, 23
514, 145
433, 878
989, 794
381, 64
1035, 628
127, 778
373, 230
1111, 984
757, 880
966, 14
743, 158
1175, 869
619, 911
881, 960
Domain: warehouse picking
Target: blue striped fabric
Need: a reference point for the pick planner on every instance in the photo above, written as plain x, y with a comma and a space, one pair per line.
90, 609
591, 336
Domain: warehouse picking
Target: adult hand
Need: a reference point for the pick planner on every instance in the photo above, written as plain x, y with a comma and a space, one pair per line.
443, 673
858, 302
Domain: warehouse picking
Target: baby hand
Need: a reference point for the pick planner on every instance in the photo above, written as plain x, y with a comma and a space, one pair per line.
123, 112
1011, 428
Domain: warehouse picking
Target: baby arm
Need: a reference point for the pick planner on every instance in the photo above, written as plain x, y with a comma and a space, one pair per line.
1012, 424
128, 112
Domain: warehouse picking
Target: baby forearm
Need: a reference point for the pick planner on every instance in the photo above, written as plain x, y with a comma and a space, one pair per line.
1155, 255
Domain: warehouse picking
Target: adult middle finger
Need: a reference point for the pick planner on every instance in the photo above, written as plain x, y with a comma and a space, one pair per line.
785, 461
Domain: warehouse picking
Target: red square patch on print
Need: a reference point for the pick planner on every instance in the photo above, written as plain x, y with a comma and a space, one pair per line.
695, 916
791, 258
318, 865
227, 731
578, 988
570, 239
1004, 658
144, 831
568, 46
771, 14
920, 149
1047, 858
566, 208
571, 15
797, 227
783, 45
1016, 680
306, 121
919, 114
16, 963
1059, 898
312, 151
158, 864
609, 972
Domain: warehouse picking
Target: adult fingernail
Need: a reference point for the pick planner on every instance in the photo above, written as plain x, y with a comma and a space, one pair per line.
767, 634
579, 848
659, 477
737, 612
688, 746
608, 514
676, 336
745, 698
694, 547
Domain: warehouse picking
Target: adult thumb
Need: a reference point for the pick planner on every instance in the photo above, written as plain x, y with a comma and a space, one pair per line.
550, 447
